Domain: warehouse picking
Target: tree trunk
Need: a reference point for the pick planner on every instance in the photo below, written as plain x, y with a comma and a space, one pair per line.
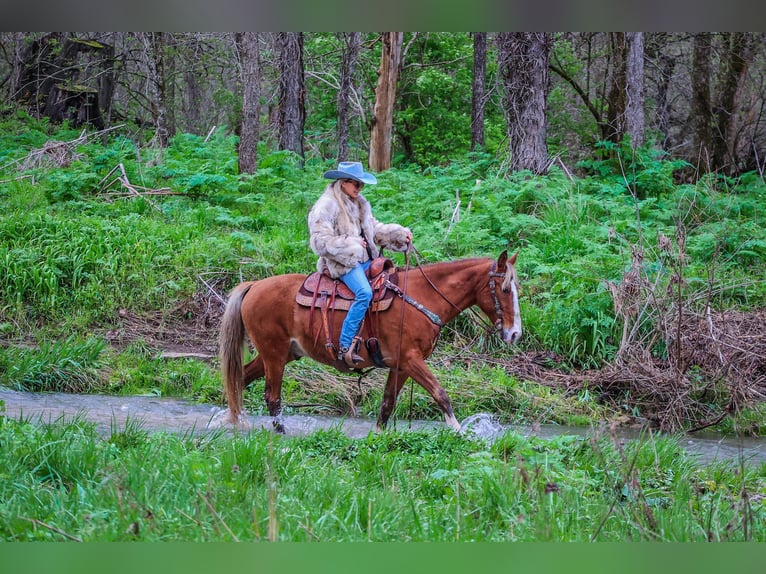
350, 53
634, 88
249, 54
170, 85
479, 89
194, 99
657, 51
616, 96
700, 104
159, 107
735, 60
17, 66
292, 107
523, 66
65, 78
385, 98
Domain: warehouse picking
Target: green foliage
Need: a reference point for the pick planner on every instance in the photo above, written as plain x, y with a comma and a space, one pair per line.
72, 183
69, 365
66, 481
643, 171
140, 370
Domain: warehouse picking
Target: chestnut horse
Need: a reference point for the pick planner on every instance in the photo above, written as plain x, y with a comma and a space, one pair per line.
433, 295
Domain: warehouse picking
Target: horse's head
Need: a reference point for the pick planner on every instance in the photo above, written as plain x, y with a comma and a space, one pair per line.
504, 291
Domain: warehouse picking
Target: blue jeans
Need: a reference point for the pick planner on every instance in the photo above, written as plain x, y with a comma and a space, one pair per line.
356, 280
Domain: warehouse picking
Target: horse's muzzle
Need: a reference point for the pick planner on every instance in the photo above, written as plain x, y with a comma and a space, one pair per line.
510, 336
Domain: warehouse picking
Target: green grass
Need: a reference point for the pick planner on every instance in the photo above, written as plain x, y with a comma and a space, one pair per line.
64, 482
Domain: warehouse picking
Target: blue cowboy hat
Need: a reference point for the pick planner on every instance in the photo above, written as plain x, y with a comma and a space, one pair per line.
350, 170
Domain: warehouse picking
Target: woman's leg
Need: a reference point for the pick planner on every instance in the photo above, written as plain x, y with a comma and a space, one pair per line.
356, 280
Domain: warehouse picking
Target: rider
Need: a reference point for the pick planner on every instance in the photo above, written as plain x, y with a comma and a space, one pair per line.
345, 236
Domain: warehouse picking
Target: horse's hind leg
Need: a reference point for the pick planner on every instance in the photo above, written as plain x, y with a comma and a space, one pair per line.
275, 370
253, 370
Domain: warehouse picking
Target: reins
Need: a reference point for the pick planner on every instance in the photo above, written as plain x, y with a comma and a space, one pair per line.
477, 319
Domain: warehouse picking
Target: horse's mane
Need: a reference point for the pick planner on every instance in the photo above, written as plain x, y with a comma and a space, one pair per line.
509, 278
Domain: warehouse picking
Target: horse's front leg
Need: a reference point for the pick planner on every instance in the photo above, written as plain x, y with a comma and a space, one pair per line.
422, 375
394, 384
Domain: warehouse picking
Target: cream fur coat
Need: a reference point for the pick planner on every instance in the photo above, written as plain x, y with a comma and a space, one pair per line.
335, 224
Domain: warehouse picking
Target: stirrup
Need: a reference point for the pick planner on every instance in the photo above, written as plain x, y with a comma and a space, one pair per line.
349, 355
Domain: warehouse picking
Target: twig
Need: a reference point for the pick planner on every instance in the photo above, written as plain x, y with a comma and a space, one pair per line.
213, 291
27, 176
132, 189
564, 167
218, 517
210, 133
82, 138
51, 528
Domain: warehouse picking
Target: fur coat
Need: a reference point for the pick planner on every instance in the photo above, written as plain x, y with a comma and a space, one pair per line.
335, 225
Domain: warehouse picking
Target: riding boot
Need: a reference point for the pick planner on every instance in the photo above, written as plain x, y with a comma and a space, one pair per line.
350, 355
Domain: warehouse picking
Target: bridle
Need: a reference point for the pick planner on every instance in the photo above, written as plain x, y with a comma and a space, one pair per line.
495, 300
478, 319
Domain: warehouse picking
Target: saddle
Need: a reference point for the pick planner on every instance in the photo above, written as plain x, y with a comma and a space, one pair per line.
321, 290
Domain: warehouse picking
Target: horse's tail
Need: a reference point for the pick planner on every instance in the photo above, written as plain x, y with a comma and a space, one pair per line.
231, 341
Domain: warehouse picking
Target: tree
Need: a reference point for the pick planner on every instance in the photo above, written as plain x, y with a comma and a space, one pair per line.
700, 103
625, 99
292, 106
634, 88
736, 57
478, 99
523, 59
247, 44
349, 55
157, 76
385, 98
664, 62
64, 77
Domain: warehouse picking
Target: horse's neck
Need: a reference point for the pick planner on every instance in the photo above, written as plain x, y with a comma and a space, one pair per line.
457, 283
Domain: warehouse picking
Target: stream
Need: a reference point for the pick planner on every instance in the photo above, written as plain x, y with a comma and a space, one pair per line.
154, 413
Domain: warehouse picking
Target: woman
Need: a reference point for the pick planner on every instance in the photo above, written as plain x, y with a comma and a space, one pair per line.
345, 236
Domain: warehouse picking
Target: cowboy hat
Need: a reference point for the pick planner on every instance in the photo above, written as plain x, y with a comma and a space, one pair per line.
350, 170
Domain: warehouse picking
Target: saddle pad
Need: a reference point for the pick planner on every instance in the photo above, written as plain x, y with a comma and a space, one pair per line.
324, 287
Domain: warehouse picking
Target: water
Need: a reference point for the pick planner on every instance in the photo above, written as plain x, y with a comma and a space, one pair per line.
173, 415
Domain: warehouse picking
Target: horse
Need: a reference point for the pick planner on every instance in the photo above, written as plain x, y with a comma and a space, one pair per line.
429, 297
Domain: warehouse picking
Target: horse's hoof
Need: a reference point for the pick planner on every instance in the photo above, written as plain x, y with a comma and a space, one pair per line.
278, 425
224, 419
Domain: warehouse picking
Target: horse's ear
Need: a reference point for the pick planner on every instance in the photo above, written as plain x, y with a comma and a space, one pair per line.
501, 261
512, 260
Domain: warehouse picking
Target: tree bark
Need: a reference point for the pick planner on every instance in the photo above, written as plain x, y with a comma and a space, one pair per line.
478, 98
292, 107
159, 109
249, 54
634, 88
65, 77
616, 95
658, 51
385, 98
700, 104
523, 66
350, 53
17, 65
735, 61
